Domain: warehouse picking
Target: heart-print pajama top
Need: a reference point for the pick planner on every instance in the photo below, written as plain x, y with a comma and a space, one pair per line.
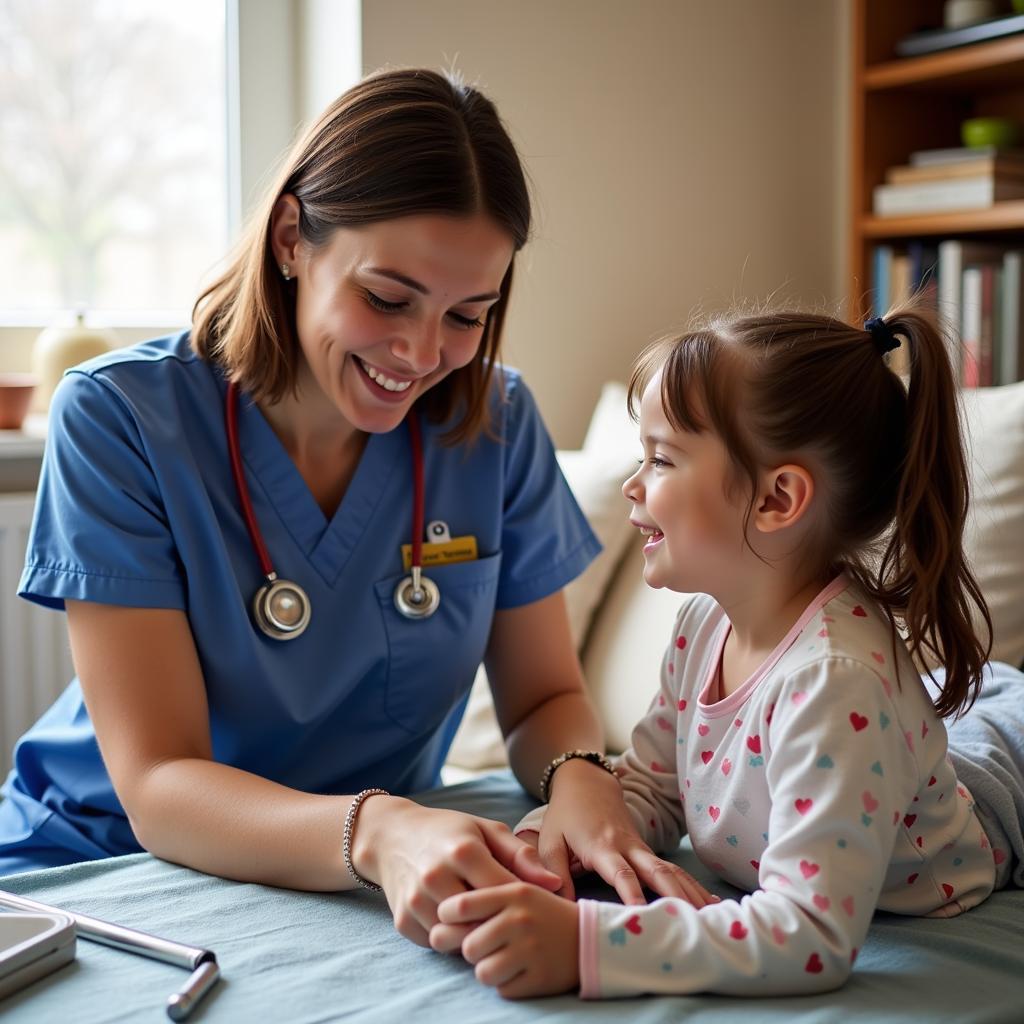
821, 786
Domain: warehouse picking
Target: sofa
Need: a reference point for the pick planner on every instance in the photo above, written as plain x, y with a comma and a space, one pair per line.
620, 625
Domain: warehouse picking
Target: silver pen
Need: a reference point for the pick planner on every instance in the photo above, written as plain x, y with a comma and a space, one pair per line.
201, 962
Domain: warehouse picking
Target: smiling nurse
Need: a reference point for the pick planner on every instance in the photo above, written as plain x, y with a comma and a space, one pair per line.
349, 352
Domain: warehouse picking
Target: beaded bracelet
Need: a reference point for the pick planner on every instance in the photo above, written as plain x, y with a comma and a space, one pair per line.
349, 831
594, 756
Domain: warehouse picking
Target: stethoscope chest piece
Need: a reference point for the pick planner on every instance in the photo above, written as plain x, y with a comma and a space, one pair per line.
281, 609
417, 596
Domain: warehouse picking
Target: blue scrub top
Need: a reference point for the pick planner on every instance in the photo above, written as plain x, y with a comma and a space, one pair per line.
137, 507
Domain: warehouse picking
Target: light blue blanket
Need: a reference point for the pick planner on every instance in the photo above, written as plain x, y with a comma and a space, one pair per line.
303, 958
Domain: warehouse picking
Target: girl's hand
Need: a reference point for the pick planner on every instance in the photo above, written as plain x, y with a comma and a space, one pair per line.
420, 856
523, 940
587, 827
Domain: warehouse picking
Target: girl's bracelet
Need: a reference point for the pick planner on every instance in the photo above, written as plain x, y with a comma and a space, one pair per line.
349, 832
594, 756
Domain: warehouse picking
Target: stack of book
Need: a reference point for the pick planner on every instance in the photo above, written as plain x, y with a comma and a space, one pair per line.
976, 289
951, 179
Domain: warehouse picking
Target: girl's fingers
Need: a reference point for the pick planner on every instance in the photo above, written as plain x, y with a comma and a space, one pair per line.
620, 874
448, 938
478, 905
522, 986
498, 970
668, 879
556, 859
485, 940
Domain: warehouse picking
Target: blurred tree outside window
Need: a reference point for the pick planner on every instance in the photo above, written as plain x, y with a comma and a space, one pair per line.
113, 149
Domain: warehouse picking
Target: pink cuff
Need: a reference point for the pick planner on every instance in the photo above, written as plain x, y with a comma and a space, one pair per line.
590, 987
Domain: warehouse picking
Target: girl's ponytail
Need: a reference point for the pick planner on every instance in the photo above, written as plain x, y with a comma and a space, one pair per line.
923, 575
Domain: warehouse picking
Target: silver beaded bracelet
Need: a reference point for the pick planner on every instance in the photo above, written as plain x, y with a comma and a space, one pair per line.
594, 756
349, 831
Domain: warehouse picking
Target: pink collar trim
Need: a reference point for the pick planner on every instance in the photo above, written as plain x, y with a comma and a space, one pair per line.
736, 699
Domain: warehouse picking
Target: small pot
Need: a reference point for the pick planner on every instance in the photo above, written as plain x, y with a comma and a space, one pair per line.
15, 394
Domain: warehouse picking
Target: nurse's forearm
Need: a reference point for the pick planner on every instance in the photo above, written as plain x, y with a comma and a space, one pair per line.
231, 823
567, 721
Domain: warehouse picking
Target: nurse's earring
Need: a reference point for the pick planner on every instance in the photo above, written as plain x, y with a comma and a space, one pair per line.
286, 271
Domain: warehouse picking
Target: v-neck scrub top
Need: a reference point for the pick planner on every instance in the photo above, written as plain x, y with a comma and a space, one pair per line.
137, 507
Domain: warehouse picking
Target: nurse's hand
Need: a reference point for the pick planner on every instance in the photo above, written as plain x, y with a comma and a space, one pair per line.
420, 856
587, 827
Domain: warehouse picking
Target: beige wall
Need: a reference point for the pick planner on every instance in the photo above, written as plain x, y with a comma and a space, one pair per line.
683, 153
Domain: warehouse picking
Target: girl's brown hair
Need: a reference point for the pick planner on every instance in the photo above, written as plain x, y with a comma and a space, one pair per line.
785, 386
399, 143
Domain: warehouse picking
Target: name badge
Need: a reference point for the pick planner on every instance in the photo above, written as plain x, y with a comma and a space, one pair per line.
458, 549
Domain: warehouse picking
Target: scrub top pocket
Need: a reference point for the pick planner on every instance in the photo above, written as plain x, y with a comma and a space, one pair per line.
432, 661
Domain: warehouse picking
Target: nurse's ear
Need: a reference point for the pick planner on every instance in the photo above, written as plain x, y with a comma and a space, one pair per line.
284, 232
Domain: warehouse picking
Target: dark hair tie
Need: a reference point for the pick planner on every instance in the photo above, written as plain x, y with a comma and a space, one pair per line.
882, 335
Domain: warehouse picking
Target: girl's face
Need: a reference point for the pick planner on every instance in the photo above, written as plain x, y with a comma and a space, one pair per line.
385, 312
693, 532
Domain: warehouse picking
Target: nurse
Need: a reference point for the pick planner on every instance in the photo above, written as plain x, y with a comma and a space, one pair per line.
357, 325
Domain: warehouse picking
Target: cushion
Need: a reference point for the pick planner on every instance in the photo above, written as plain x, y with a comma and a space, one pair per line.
595, 474
994, 537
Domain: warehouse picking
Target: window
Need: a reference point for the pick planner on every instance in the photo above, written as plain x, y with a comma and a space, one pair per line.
113, 182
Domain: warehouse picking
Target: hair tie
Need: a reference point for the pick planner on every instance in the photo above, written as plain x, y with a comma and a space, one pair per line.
881, 334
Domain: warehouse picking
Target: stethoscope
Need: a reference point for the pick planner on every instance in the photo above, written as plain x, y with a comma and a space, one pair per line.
280, 607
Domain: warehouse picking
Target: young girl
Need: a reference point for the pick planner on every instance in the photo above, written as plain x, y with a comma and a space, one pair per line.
809, 502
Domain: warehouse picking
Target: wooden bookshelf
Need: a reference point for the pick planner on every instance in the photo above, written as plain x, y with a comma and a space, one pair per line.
904, 104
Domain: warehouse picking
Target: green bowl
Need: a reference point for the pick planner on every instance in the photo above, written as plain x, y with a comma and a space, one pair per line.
988, 131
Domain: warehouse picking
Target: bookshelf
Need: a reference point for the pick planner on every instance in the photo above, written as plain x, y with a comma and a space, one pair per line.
905, 104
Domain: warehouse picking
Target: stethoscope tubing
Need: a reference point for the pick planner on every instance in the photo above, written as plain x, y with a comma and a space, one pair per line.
235, 453
415, 597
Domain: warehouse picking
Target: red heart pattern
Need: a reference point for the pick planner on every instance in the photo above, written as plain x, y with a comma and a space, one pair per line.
814, 964
858, 721
809, 870
737, 931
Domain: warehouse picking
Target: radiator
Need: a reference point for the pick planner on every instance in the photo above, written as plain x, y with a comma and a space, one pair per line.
35, 660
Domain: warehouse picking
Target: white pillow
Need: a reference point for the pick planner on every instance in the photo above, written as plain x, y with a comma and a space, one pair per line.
595, 474
994, 537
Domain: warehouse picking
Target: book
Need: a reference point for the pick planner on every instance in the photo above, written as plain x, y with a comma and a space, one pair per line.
997, 167
987, 322
932, 39
924, 271
1010, 366
962, 154
970, 327
934, 196
881, 265
953, 256
899, 292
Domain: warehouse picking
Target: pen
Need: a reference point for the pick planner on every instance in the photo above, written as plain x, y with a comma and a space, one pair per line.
201, 962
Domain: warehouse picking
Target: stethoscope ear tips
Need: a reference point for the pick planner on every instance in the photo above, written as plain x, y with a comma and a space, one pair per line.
281, 609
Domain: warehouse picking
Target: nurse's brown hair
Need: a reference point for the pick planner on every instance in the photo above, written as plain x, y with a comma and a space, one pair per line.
399, 143
887, 458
